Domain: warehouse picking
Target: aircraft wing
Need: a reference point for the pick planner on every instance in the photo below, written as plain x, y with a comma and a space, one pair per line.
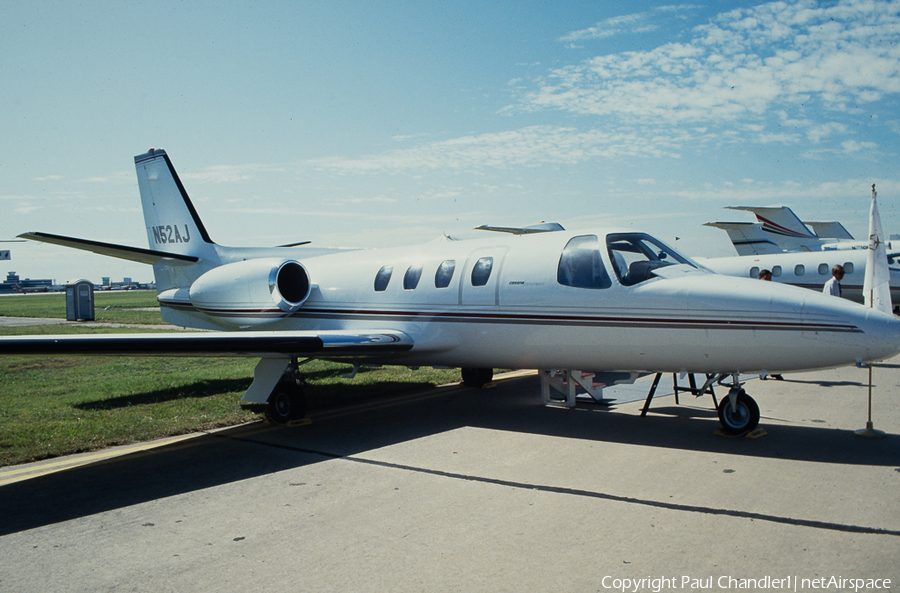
254, 343
135, 254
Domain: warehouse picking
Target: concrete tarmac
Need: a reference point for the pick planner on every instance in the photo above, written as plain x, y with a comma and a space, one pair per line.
485, 490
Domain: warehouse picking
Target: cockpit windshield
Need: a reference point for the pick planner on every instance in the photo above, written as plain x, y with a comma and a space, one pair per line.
636, 255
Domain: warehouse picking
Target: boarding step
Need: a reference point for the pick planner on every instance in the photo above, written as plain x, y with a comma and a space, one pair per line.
566, 387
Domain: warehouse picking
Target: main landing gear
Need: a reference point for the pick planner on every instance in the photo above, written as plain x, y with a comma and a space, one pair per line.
287, 401
477, 377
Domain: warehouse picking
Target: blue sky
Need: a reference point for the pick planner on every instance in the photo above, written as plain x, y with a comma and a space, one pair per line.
368, 124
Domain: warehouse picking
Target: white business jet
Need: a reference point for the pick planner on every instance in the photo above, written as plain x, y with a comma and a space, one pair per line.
778, 229
798, 253
807, 269
609, 302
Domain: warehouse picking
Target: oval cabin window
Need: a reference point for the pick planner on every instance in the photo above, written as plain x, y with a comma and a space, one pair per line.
444, 274
481, 273
383, 278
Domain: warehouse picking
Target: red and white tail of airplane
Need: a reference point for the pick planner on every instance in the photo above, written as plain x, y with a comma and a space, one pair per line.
777, 229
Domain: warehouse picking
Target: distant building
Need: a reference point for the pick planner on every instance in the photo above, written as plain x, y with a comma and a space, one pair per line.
15, 284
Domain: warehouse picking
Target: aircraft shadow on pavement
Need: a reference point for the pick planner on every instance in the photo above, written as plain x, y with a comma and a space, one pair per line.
827, 383
246, 452
200, 389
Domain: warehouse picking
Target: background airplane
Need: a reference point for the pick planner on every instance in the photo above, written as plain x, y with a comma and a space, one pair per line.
778, 229
807, 270
784, 245
602, 303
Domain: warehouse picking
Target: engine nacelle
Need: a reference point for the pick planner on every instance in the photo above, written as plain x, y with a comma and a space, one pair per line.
251, 292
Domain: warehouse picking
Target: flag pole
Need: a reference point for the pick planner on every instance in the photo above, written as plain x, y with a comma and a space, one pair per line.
869, 432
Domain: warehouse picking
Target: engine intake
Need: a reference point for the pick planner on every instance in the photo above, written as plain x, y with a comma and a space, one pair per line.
251, 292
291, 281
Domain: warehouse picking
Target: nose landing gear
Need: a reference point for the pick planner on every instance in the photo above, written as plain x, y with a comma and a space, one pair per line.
738, 413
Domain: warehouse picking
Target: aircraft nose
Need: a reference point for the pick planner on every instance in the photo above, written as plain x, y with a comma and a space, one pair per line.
881, 335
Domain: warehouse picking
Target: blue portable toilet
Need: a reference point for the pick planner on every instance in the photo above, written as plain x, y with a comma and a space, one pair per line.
80, 301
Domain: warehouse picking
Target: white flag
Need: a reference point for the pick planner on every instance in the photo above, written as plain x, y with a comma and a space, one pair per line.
877, 283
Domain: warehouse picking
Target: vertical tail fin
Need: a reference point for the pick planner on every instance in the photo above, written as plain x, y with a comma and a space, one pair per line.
172, 222
876, 286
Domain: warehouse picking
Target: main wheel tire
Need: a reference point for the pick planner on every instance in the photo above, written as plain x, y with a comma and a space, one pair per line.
741, 419
477, 377
286, 403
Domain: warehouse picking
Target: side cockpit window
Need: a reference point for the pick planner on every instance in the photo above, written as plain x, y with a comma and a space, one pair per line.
382, 278
581, 266
636, 255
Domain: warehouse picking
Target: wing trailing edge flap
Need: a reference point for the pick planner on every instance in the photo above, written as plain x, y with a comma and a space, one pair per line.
135, 254
282, 344
276, 349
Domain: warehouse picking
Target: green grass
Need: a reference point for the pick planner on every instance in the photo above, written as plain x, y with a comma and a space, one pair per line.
66, 404
61, 405
57, 405
123, 306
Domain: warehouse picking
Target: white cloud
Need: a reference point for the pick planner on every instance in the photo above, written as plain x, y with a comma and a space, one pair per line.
229, 173
640, 22
529, 146
819, 131
743, 64
774, 74
851, 146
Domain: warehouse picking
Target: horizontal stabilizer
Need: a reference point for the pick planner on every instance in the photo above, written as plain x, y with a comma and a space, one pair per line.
829, 230
135, 254
748, 238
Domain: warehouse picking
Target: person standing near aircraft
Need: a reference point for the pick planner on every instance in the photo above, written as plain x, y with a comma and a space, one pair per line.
767, 276
833, 286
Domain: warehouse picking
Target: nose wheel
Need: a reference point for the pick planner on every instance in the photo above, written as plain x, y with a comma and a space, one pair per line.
738, 413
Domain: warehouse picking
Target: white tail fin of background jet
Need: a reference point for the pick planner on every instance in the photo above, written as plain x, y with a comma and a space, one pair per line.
876, 286
778, 229
779, 220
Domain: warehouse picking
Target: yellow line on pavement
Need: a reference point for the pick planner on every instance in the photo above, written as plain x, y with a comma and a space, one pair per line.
40, 468
19, 473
